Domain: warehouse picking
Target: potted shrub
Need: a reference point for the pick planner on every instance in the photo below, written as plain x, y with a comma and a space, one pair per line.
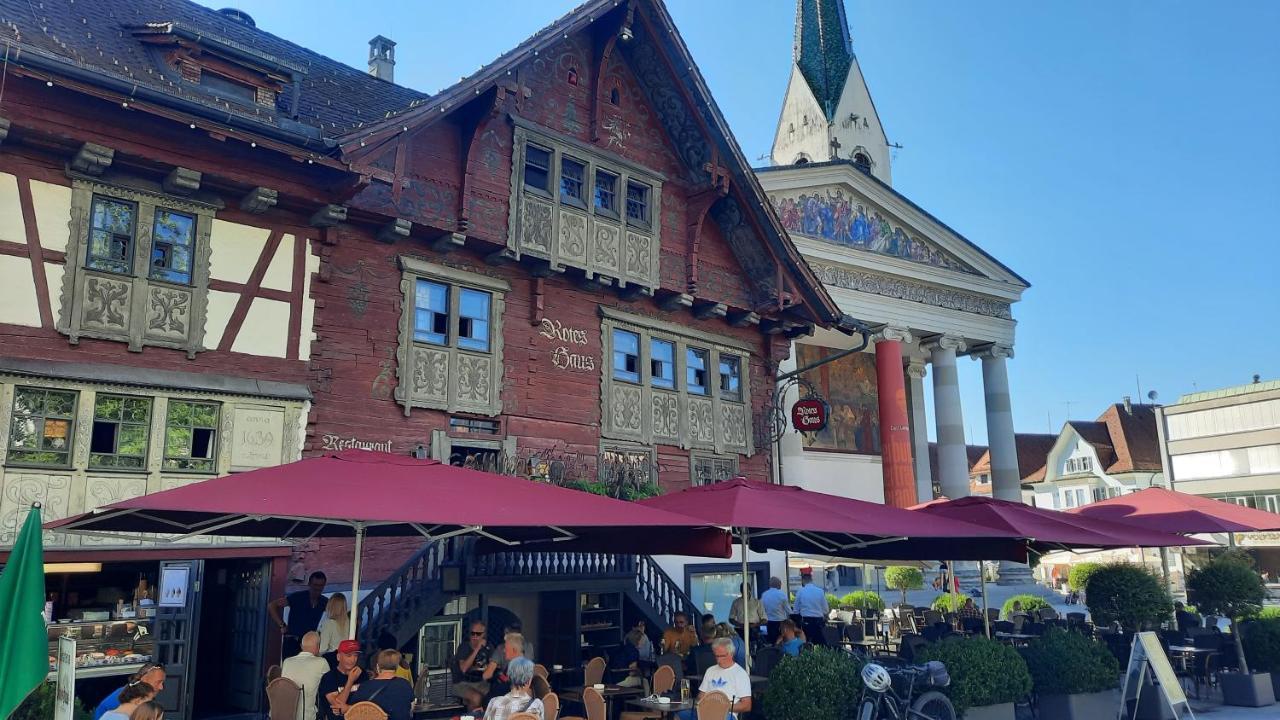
1028, 602
1127, 594
1073, 677
987, 677
1079, 575
822, 684
903, 578
1229, 586
865, 601
1261, 638
947, 602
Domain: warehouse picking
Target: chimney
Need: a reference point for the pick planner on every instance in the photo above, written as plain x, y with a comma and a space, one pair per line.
382, 58
1128, 405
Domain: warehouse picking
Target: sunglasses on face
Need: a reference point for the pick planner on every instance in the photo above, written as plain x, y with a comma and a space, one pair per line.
477, 634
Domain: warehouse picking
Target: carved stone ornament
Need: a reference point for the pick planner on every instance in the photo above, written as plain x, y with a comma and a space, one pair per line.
891, 333
329, 216
397, 229
994, 350
92, 159
917, 370
945, 342
910, 290
182, 181
259, 200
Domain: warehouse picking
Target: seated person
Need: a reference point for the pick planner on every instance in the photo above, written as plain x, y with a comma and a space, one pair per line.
470, 664
519, 698
1185, 618
790, 638
635, 647
133, 696
726, 631
393, 694
151, 674
500, 653
512, 646
727, 677
970, 616
679, 638
707, 630
338, 684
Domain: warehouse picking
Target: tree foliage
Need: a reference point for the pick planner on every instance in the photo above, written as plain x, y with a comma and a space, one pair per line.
983, 672
1228, 586
821, 684
903, 578
947, 602
1067, 663
1128, 594
1029, 603
1080, 573
865, 600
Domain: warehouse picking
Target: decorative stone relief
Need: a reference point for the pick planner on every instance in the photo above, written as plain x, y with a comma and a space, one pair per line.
910, 290
624, 409
430, 374
606, 248
702, 424
52, 491
638, 257
573, 237
475, 376
535, 230
666, 416
168, 313
733, 424
104, 490
106, 304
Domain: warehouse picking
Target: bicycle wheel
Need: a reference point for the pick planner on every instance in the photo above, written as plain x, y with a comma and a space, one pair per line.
933, 705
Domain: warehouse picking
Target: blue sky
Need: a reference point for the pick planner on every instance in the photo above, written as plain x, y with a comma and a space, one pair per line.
1123, 156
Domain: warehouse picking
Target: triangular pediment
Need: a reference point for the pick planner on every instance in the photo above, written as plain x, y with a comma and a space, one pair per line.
839, 205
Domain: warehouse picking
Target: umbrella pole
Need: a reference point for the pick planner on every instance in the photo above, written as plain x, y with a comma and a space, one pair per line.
986, 614
746, 602
355, 581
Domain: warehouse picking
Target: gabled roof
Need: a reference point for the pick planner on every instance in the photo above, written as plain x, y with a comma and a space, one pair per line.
823, 50
1033, 453
653, 28
326, 97
1124, 439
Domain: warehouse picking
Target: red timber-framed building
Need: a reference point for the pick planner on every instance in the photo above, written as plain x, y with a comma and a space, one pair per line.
221, 251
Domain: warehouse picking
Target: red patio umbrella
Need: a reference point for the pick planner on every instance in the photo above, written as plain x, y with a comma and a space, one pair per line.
1157, 508
358, 493
1049, 530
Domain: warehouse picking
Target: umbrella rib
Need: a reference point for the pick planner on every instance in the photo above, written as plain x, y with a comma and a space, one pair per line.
235, 520
870, 543
162, 520
69, 527
495, 538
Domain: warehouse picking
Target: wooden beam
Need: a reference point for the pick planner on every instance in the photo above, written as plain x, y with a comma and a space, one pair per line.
251, 290
670, 301
181, 181
771, 326
505, 256
742, 318
35, 252
329, 216
259, 200
707, 309
397, 229
92, 159
449, 242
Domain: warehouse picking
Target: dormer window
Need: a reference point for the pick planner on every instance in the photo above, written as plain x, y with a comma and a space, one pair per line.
862, 162
225, 71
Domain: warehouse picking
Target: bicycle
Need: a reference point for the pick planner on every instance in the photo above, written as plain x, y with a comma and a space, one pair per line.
881, 700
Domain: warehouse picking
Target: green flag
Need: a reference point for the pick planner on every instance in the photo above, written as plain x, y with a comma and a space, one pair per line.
24, 662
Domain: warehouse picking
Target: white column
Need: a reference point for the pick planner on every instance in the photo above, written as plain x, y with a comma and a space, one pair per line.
953, 462
1006, 480
916, 371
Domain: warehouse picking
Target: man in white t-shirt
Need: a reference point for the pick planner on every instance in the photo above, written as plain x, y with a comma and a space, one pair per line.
726, 677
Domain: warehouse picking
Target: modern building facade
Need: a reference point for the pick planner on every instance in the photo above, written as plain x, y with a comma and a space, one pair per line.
931, 295
1225, 444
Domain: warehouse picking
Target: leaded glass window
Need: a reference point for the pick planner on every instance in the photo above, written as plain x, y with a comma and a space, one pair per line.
662, 363
42, 428
626, 356
537, 168
431, 313
112, 228
172, 243
121, 426
572, 173
695, 364
473, 319
191, 436
731, 378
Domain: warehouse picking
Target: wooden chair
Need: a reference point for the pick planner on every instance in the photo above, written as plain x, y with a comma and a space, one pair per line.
284, 698
714, 705
676, 663
594, 673
367, 711
522, 716
273, 672
550, 706
664, 678
539, 686
768, 657
541, 670
593, 701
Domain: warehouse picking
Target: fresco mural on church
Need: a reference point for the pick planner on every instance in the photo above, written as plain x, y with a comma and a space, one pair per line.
838, 219
849, 386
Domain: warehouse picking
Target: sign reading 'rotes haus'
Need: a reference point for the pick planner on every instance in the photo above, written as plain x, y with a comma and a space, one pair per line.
809, 415
564, 356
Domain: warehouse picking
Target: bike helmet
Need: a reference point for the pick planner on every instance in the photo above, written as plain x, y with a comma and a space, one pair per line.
876, 678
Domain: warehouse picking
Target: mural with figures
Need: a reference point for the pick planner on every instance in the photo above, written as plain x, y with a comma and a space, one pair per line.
849, 385
837, 218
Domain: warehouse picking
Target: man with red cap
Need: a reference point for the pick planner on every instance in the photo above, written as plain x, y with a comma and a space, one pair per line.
338, 684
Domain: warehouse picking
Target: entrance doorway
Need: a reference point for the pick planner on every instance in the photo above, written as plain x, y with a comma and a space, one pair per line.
229, 659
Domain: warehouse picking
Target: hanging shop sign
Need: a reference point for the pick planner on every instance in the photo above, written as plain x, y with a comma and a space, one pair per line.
809, 415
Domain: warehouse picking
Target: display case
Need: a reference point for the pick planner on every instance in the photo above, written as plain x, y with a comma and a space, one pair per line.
105, 647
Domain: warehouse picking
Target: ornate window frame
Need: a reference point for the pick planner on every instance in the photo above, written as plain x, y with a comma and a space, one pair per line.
135, 308
712, 462
543, 224
449, 378
642, 413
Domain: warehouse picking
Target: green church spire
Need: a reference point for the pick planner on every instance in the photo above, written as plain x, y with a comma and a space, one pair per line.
823, 49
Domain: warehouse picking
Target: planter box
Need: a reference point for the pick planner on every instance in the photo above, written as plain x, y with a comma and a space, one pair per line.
1253, 690
1082, 706
1152, 705
1003, 711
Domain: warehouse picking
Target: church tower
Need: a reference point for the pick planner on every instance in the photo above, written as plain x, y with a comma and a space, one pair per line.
827, 113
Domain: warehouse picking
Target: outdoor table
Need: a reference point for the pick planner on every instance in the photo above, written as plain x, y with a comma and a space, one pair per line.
1016, 638
662, 708
1190, 652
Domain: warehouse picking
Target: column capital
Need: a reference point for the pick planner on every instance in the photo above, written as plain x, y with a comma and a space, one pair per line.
994, 350
944, 342
889, 332
917, 369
